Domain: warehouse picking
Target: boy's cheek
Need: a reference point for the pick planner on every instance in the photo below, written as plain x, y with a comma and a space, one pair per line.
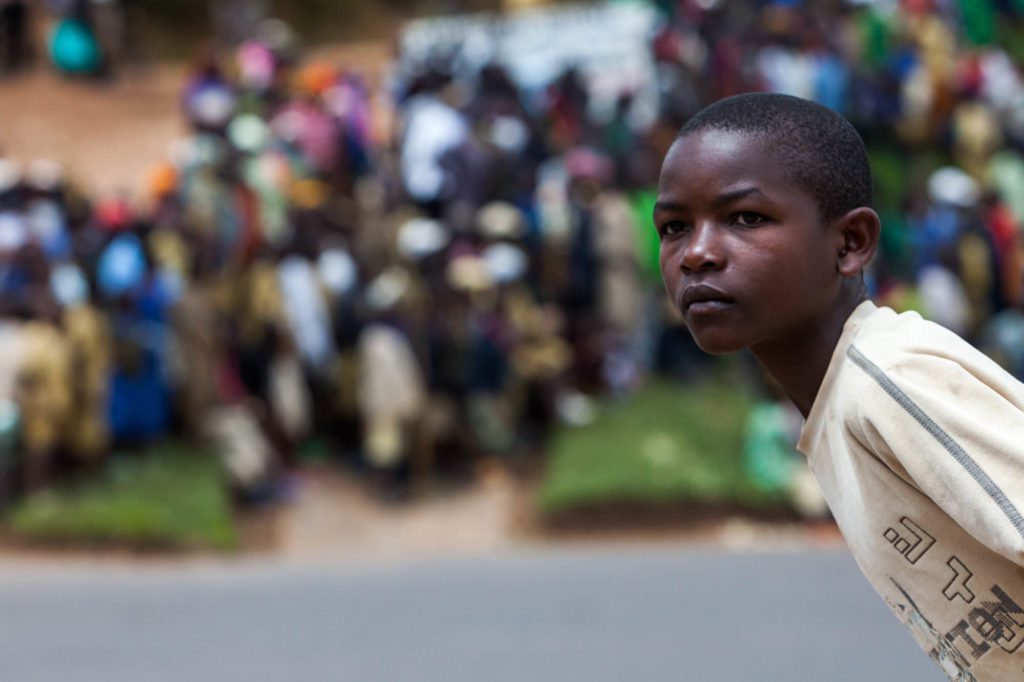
666, 271
671, 309
669, 278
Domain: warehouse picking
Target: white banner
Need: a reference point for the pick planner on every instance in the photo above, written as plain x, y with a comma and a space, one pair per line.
608, 43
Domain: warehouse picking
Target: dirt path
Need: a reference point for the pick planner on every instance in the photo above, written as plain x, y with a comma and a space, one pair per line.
335, 517
106, 135
109, 134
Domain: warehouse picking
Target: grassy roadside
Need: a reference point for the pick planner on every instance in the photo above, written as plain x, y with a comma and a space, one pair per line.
666, 445
172, 497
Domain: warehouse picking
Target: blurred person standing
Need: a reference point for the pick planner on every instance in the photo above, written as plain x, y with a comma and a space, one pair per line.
44, 399
15, 49
74, 49
117, 24
432, 127
89, 344
621, 296
392, 391
236, 20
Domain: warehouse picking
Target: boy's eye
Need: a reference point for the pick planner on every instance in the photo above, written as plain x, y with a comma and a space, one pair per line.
672, 227
749, 218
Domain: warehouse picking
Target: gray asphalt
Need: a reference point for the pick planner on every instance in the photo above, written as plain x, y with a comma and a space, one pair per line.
595, 614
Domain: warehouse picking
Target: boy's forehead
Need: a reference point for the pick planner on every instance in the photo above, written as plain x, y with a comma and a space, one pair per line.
720, 156
722, 145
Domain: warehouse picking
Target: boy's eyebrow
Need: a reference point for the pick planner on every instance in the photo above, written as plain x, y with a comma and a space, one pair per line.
720, 200
732, 196
667, 206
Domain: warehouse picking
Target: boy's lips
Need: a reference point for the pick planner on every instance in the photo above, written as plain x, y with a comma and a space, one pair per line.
703, 298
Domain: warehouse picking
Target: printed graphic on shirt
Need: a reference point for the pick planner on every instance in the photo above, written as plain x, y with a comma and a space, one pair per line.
999, 622
911, 540
957, 586
943, 653
990, 619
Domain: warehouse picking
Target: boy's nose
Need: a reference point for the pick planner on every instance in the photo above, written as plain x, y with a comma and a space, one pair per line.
703, 252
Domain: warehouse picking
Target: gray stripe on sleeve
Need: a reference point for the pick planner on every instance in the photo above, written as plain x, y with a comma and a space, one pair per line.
945, 440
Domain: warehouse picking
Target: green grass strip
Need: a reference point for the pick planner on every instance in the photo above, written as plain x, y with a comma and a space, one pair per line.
173, 496
667, 443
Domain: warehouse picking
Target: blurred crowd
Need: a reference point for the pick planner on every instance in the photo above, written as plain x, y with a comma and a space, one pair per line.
418, 301
425, 296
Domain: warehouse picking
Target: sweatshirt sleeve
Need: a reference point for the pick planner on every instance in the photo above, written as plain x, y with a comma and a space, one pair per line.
953, 424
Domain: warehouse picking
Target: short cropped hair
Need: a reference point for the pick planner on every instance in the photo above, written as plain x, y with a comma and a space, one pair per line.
816, 147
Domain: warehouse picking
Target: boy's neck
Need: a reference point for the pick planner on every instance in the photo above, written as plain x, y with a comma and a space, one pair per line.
799, 364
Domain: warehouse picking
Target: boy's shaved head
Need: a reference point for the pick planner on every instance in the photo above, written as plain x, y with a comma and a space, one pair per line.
816, 147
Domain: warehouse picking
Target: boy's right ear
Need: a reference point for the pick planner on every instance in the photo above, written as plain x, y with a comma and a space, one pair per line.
859, 230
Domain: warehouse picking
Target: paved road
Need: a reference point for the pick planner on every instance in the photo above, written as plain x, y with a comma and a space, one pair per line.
615, 614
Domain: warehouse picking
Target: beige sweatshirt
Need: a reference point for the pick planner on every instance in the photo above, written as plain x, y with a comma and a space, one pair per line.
917, 440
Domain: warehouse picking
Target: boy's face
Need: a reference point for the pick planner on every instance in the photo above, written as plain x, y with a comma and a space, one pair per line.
744, 255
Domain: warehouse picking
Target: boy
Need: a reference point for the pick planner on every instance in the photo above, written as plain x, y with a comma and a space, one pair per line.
916, 438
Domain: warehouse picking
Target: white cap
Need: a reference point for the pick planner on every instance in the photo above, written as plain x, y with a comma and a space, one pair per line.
213, 105
10, 174
952, 185
500, 220
45, 175
13, 231
248, 133
505, 262
337, 270
469, 273
421, 237
388, 288
68, 284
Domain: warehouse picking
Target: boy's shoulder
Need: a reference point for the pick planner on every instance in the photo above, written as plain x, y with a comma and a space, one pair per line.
916, 360
912, 360
895, 372
896, 341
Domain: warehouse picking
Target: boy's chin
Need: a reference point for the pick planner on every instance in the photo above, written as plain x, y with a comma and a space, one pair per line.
717, 345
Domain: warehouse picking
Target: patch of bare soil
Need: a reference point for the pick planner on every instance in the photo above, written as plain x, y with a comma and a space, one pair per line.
336, 516
109, 133
106, 134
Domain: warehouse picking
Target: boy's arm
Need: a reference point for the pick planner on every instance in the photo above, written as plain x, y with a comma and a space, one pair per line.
957, 432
